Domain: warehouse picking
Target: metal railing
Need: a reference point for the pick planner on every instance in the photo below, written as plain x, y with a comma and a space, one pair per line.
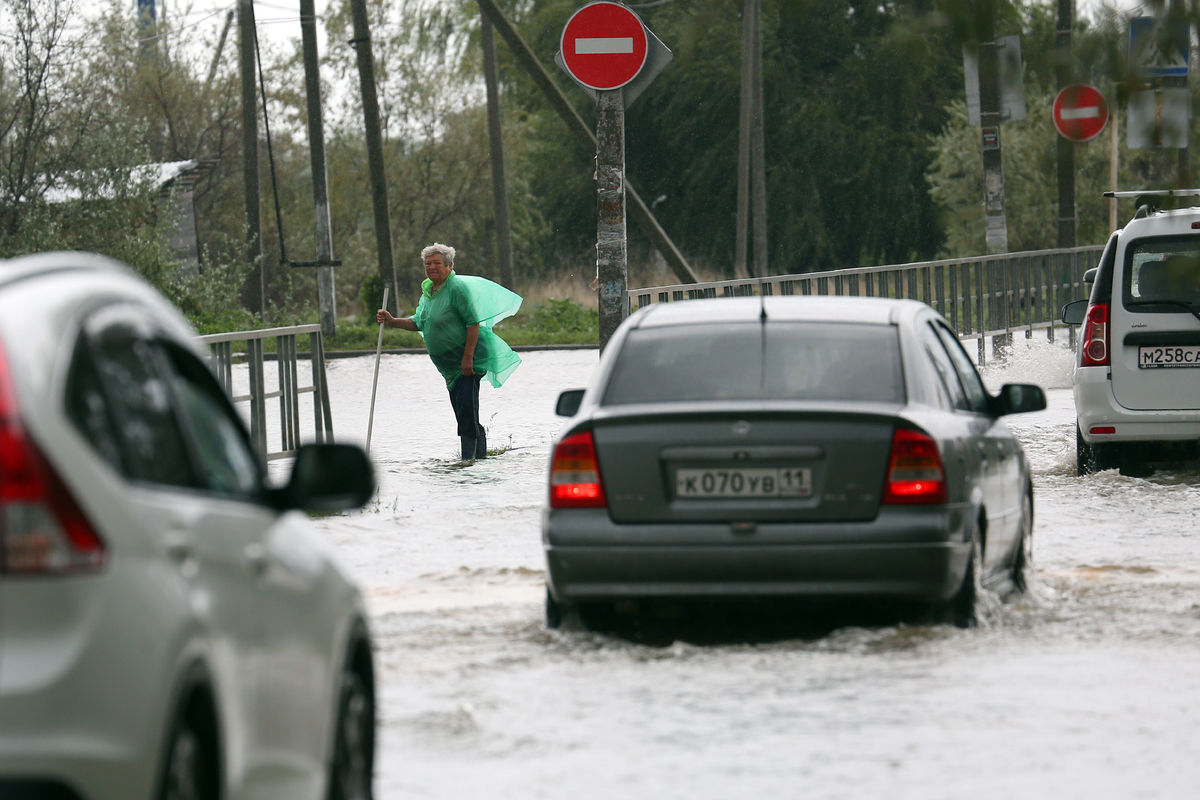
289, 391
980, 297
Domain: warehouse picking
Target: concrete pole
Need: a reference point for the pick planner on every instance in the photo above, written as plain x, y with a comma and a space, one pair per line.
322, 234
256, 289
374, 137
611, 244
491, 77
996, 225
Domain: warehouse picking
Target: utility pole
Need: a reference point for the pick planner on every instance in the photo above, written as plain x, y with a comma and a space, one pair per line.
752, 171
611, 247
256, 289
491, 77
1064, 73
996, 225
326, 298
758, 162
374, 136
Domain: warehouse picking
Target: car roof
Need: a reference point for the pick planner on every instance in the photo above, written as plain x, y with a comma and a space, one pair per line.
39, 264
868, 310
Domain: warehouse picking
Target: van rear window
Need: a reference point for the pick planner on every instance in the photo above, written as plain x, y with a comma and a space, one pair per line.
749, 361
1162, 269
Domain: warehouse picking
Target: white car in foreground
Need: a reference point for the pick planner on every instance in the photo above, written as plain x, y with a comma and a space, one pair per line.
170, 626
1137, 376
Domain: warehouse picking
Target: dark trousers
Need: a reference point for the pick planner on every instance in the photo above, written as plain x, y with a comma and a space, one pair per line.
464, 398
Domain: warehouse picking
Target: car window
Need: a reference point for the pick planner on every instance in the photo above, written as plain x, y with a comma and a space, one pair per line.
976, 392
88, 408
128, 368
747, 361
1162, 268
227, 463
948, 375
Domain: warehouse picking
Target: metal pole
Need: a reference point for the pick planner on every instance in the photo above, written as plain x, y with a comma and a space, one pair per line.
375, 380
611, 245
323, 235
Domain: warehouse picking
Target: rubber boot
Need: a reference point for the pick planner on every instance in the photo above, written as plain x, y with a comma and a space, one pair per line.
469, 447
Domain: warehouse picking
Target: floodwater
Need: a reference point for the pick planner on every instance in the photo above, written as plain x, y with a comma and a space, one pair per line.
1088, 686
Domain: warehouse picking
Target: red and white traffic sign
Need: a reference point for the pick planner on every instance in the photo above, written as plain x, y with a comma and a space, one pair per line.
604, 45
1080, 112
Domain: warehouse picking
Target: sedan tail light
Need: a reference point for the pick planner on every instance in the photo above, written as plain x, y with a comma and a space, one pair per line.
43, 531
575, 474
1095, 337
915, 473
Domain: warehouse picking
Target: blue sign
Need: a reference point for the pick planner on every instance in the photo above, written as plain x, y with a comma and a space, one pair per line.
1156, 53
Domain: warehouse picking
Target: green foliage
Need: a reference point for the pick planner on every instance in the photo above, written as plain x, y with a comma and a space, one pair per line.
559, 320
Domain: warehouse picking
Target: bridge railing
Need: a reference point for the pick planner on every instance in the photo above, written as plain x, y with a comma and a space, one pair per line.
980, 297
288, 389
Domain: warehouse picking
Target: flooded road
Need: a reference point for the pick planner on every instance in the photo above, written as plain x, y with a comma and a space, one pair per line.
1089, 686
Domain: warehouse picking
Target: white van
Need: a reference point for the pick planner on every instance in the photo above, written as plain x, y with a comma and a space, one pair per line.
1137, 376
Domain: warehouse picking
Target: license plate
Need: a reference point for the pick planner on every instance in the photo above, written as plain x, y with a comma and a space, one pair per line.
744, 482
1167, 356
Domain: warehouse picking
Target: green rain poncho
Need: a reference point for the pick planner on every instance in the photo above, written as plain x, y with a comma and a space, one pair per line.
443, 318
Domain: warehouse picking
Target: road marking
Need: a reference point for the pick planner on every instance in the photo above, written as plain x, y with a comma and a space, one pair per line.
603, 46
1088, 112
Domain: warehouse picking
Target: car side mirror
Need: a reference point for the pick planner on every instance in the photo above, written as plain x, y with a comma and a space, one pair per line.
569, 402
1074, 312
1018, 398
327, 477
1089, 277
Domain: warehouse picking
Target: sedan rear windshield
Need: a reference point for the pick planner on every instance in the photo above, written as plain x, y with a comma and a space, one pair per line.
1162, 273
753, 361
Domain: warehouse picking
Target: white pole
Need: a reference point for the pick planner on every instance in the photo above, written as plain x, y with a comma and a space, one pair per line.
375, 380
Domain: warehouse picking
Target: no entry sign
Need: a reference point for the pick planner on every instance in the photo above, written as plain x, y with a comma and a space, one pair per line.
604, 46
1080, 112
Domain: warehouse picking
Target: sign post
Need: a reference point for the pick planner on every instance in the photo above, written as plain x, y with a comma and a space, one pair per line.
1080, 112
604, 46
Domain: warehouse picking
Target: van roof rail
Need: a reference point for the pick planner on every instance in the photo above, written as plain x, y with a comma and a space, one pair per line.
1155, 193
1151, 201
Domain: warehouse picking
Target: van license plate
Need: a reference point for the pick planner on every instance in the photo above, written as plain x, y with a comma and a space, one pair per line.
1160, 357
744, 482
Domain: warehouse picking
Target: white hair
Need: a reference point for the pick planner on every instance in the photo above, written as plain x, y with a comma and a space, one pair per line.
445, 250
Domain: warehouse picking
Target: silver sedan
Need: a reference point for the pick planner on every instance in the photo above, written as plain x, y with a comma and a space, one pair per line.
787, 446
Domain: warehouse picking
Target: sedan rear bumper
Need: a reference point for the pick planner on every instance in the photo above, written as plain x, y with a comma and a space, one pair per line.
921, 562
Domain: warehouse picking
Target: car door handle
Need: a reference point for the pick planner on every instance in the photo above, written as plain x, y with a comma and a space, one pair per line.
256, 558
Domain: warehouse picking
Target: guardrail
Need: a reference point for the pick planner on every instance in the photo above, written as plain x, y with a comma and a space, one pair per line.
289, 388
980, 297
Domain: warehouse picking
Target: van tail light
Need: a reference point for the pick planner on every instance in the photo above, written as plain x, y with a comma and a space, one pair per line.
914, 474
43, 531
575, 474
1095, 337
